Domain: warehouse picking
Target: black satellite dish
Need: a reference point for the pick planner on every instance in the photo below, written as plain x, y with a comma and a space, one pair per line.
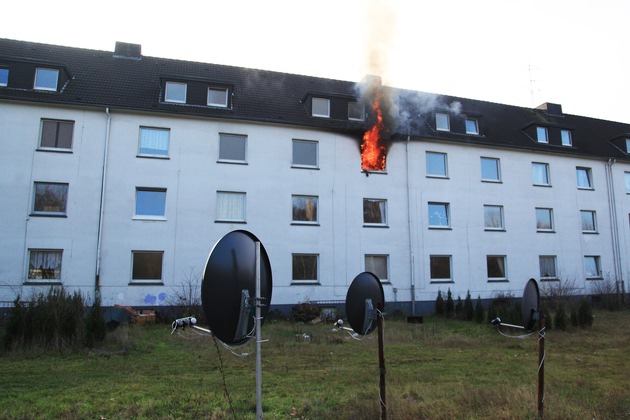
364, 296
530, 305
228, 289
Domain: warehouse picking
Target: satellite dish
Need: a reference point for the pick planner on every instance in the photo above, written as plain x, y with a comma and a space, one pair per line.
531, 305
228, 289
364, 296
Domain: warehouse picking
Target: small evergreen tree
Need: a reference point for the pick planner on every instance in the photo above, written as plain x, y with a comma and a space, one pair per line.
560, 321
459, 308
469, 311
585, 314
492, 311
574, 317
450, 305
439, 304
95, 328
479, 312
548, 320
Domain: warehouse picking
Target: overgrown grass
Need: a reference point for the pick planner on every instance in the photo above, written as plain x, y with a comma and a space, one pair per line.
439, 369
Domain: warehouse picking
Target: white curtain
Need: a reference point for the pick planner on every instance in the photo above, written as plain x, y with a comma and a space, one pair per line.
154, 141
231, 206
45, 264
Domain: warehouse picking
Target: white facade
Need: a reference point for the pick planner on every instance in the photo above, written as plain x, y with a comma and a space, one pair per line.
193, 174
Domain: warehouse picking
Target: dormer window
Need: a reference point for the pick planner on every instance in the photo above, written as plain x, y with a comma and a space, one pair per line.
628, 145
321, 107
46, 79
175, 92
442, 122
566, 138
541, 135
218, 96
4, 76
356, 111
472, 127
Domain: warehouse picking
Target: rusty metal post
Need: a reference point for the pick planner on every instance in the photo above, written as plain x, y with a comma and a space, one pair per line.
381, 361
541, 365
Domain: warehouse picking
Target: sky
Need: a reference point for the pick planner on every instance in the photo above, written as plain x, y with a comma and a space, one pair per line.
575, 53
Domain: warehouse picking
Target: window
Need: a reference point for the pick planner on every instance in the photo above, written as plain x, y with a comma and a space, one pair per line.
44, 264
56, 134
544, 220
146, 266
46, 79
442, 122
356, 111
440, 267
232, 148
565, 136
321, 107
378, 265
541, 135
218, 97
592, 266
150, 202
493, 217
627, 145
496, 265
626, 176
540, 173
304, 209
230, 206
490, 169
584, 178
436, 164
305, 268
305, 154
175, 92
472, 126
439, 215
4, 76
547, 265
50, 198
588, 221
154, 142
374, 211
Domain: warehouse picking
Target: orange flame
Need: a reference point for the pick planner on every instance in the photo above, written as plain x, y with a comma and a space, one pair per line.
372, 151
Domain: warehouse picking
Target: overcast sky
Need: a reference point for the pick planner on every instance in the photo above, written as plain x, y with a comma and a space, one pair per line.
572, 52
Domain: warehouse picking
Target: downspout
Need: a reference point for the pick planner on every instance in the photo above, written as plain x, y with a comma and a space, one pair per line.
99, 237
410, 229
614, 226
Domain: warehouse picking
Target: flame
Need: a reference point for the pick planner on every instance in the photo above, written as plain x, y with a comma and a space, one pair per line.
373, 153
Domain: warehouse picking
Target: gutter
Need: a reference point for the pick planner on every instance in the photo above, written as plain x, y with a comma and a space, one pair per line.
99, 237
614, 227
410, 229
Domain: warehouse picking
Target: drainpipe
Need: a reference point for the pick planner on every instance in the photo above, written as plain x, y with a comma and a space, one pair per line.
614, 226
410, 229
99, 237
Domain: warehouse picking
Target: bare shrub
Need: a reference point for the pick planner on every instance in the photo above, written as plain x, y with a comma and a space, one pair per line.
555, 293
606, 294
185, 299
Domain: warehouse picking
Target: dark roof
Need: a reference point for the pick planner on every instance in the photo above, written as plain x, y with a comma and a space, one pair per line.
125, 79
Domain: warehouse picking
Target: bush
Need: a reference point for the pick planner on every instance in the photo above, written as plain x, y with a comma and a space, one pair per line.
440, 307
305, 312
560, 321
469, 311
479, 312
585, 314
450, 305
459, 308
95, 328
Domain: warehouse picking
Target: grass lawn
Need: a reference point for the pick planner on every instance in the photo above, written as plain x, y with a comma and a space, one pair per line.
439, 369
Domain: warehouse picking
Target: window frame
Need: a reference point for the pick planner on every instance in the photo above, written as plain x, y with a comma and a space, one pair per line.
243, 209
542, 135
500, 228
498, 169
592, 220
446, 214
4, 71
225, 137
225, 103
167, 85
440, 119
320, 101
566, 138
57, 271
547, 174
147, 129
294, 143
443, 173
306, 198
60, 213
626, 176
589, 177
303, 255
597, 262
382, 210
140, 191
146, 280
58, 133
554, 261
368, 266
475, 123
433, 260
360, 109
549, 212
38, 83
502, 258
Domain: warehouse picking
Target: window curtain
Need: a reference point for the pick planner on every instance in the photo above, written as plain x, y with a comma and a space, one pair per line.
45, 265
154, 142
582, 178
230, 206
547, 267
539, 174
374, 211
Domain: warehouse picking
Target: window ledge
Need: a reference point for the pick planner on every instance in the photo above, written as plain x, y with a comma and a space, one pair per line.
442, 282
498, 281
595, 278
54, 150
374, 225
239, 222
305, 167
153, 157
149, 218
437, 176
589, 232
549, 279
294, 223
146, 283
233, 162
43, 283
542, 185
440, 228
586, 188
545, 231
305, 283
492, 181
63, 216
494, 229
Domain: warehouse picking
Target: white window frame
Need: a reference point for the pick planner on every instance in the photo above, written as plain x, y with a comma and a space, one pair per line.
295, 146
589, 177
41, 74
592, 215
475, 126
359, 108
498, 167
370, 266
177, 99
295, 281
295, 199
590, 262
445, 209
566, 138
542, 135
540, 211
554, 265
436, 257
382, 205
42, 212
5, 71
317, 102
444, 163
547, 174
235, 199
626, 176
58, 124
502, 258
57, 269
222, 104
142, 139
224, 139
442, 122
140, 192
146, 280
501, 226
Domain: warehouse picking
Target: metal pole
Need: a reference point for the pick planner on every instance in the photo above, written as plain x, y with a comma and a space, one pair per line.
259, 411
381, 360
541, 366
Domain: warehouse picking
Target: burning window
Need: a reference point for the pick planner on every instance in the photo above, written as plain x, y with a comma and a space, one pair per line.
376, 139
